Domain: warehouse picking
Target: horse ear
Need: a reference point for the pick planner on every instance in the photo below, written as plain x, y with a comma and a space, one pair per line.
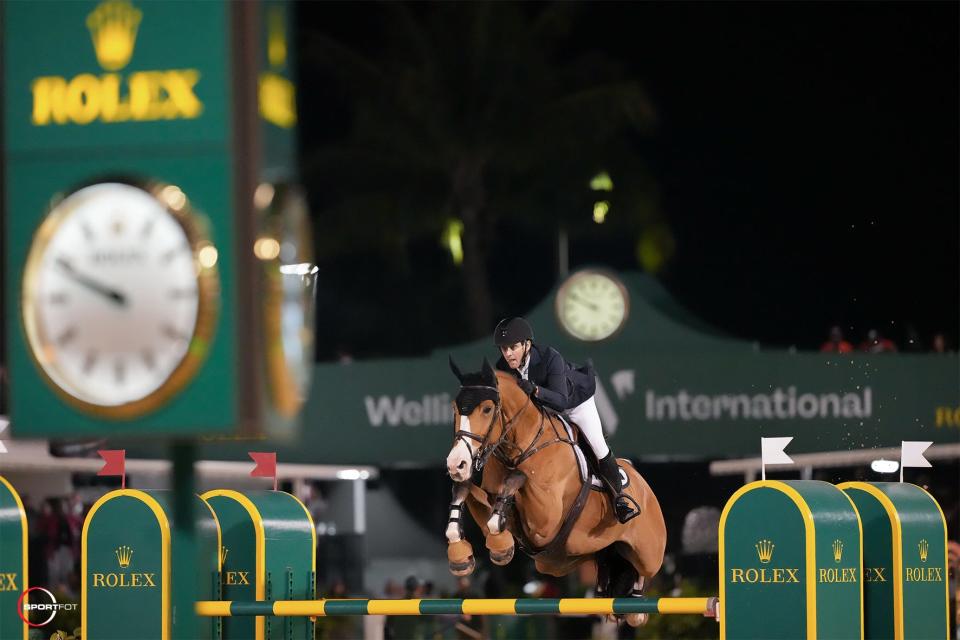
455, 369
488, 372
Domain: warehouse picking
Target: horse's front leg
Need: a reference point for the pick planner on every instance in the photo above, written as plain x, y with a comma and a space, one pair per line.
459, 551
500, 540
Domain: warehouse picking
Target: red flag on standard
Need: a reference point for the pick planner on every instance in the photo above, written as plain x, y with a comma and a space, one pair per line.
266, 465
114, 464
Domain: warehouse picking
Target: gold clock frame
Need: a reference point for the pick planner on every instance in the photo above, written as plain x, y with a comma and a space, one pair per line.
282, 394
576, 275
176, 204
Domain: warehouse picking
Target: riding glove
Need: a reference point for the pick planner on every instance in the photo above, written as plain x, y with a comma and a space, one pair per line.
527, 387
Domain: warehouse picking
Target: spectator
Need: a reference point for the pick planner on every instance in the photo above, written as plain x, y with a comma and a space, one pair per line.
876, 343
836, 343
58, 544
468, 627
408, 627
939, 343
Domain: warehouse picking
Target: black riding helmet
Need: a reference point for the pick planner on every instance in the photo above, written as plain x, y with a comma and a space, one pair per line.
511, 331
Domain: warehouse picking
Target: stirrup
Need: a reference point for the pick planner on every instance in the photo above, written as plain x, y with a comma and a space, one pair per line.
635, 510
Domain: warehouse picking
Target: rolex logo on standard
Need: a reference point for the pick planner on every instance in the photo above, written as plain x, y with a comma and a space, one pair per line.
139, 96
113, 28
124, 555
765, 550
837, 574
123, 579
765, 574
934, 573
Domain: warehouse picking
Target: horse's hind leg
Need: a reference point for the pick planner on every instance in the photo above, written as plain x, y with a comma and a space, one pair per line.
602, 559
638, 619
623, 578
630, 581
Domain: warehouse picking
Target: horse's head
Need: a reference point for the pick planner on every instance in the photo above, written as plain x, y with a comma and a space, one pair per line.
476, 412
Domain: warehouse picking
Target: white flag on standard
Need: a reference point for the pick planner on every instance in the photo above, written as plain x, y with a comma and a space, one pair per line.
772, 452
911, 455
3, 425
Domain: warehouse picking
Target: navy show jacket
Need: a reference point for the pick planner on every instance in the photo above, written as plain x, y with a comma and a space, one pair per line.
562, 385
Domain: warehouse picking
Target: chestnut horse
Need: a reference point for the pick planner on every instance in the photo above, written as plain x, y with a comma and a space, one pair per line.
531, 491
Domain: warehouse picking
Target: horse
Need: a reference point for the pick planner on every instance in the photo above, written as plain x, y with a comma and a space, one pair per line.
531, 492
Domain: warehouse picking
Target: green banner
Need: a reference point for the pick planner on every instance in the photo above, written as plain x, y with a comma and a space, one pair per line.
666, 388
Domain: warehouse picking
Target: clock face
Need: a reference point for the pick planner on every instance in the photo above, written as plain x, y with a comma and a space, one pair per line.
592, 305
119, 297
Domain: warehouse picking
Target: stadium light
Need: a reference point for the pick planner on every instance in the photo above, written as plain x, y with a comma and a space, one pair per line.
885, 466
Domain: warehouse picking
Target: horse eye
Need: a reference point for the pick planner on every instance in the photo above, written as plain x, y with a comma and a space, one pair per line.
487, 410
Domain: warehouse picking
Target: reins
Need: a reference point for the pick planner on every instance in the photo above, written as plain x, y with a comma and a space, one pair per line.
482, 454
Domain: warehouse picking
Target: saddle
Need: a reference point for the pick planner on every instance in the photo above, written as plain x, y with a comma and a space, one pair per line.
586, 460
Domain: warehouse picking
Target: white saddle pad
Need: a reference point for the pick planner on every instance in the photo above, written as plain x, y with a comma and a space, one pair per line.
582, 460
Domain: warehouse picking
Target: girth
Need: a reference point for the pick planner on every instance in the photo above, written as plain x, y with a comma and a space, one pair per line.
555, 546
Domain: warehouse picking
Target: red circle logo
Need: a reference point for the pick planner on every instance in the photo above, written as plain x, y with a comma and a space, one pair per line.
21, 607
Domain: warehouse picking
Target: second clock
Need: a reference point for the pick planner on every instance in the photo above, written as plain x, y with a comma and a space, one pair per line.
592, 305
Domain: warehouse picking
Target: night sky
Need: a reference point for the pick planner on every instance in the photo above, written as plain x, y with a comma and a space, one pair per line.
806, 157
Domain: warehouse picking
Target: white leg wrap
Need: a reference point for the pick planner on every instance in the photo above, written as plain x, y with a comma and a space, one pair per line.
494, 524
456, 512
587, 418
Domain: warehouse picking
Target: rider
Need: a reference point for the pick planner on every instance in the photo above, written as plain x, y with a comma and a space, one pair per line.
542, 373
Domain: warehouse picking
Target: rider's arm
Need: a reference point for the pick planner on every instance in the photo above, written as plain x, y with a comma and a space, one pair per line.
554, 391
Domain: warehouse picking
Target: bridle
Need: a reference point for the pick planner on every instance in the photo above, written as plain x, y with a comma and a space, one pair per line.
481, 455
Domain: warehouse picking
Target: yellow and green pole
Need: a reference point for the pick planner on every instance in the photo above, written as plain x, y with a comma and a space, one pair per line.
473, 606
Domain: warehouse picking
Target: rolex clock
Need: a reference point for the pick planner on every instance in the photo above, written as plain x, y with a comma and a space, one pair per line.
592, 305
120, 297
284, 248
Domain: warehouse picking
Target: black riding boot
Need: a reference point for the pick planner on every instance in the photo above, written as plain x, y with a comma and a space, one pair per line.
624, 506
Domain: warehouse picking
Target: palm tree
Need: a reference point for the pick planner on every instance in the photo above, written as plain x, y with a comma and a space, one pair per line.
474, 112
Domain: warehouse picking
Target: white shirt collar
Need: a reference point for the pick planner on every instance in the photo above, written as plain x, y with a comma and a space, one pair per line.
525, 367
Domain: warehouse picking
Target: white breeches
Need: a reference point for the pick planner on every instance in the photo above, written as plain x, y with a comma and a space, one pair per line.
587, 418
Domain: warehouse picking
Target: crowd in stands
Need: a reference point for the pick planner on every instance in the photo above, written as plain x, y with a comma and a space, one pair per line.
876, 342
56, 528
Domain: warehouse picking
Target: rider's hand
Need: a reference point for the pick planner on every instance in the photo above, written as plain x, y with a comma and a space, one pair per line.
527, 387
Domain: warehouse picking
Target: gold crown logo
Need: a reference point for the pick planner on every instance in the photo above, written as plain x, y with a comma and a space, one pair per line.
124, 554
765, 550
837, 550
924, 549
223, 555
113, 28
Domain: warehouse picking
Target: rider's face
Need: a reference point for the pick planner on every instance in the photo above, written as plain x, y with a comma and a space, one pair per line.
513, 354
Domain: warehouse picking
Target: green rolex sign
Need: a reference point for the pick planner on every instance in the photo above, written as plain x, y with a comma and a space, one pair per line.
13, 561
132, 154
790, 550
906, 591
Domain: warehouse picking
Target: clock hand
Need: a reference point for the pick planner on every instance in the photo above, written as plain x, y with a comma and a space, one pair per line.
585, 303
111, 294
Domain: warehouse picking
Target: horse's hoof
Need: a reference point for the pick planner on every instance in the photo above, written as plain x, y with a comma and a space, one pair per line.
463, 568
637, 619
501, 557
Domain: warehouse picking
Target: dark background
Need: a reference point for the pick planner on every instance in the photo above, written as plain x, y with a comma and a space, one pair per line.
805, 158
